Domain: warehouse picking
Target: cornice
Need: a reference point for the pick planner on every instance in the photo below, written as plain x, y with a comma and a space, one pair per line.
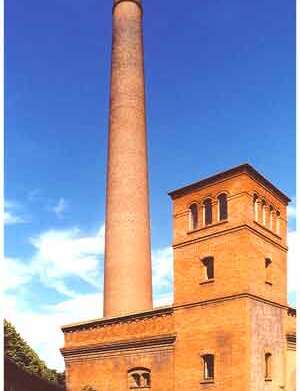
221, 176
128, 318
154, 343
226, 232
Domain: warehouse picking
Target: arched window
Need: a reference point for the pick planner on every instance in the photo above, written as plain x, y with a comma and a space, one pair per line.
193, 216
278, 222
268, 269
268, 366
139, 378
208, 366
207, 210
255, 207
271, 218
208, 263
263, 210
222, 207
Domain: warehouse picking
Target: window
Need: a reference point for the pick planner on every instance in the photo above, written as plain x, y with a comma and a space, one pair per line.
268, 269
278, 222
264, 216
268, 366
193, 215
223, 207
207, 211
255, 207
139, 378
271, 218
208, 264
208, 367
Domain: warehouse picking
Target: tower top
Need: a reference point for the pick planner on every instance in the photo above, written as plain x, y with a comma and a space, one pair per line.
243, 168
138, 2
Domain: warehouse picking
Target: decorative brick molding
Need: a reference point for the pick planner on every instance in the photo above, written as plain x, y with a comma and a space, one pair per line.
161, 342
97, 323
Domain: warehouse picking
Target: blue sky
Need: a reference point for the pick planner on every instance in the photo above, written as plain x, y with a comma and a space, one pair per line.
220, 86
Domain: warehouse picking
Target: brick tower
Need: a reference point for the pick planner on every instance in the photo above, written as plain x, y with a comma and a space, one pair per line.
127, 271
230, 256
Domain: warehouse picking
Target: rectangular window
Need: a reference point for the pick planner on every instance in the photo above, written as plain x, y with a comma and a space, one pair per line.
268, 270
208, 367
268, 366
208, 264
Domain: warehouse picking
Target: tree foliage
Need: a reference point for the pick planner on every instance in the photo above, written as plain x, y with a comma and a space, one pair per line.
20, 352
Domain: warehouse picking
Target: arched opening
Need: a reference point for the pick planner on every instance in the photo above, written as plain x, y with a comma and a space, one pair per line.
271, 218
223, 207
208, 263
268, 366
263, 212
255, 207
278, 222
208, 366
207, 204
193, 216
139, 378
268, 269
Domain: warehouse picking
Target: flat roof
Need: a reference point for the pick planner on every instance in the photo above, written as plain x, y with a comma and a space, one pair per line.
243, 168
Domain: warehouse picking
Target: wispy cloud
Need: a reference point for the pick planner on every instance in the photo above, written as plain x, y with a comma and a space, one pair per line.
60, 208
291, 209
12, 214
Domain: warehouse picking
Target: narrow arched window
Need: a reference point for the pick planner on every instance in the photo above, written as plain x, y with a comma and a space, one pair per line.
139, 378
264, 210
278, 222
208, 263
271, 218
255, 207
207, 211
193, 216
268, 269
222, 207
208, 366
268, 366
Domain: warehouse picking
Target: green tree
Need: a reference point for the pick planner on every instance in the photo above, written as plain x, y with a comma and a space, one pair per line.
17, 350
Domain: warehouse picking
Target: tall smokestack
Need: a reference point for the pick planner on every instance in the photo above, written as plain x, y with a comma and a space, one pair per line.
127, 270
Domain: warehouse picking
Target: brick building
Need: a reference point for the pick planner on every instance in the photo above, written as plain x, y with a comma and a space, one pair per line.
230, 327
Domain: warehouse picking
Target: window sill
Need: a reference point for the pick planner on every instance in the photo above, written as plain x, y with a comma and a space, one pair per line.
207, 226
268, 379
267, 229
208, 381
207, 281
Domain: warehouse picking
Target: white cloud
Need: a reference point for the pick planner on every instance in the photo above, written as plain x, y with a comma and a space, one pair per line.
15, 273
68, 253
10, 214
293, 260
42, 330
162, 260
60, 208
291, 209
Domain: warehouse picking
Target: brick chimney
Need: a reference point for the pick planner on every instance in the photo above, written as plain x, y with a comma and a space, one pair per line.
127, 270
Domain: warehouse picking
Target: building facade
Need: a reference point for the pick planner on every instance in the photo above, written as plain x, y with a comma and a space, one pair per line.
230, 327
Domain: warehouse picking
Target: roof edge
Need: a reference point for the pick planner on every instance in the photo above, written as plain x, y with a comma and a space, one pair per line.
242, 168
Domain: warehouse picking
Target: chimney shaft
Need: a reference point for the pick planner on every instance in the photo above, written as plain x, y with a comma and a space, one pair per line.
127, 270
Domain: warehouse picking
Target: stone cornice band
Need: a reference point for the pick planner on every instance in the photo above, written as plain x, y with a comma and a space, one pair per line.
150, 342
